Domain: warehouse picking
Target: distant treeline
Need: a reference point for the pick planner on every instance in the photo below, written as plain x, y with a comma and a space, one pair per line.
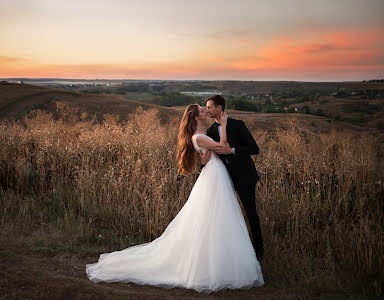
374, 80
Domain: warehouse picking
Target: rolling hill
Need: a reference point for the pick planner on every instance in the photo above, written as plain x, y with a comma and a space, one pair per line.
18, 99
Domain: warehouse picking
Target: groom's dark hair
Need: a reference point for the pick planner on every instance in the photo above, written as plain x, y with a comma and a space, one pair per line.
218, 100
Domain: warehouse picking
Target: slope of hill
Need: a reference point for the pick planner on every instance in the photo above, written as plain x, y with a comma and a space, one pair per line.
18, 99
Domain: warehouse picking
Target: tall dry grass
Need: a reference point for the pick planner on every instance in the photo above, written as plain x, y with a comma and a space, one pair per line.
321, 204
320, 198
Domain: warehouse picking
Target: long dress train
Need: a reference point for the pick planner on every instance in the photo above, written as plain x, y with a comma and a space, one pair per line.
206, 247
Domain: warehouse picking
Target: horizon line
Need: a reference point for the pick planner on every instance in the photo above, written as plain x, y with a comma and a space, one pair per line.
206, 80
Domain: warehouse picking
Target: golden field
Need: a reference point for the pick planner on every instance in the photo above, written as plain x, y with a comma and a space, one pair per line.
74, 185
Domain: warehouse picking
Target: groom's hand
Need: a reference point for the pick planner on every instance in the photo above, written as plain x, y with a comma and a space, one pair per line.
223, 148
205, 157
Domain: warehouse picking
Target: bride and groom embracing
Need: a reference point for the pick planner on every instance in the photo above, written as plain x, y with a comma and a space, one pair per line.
206, 247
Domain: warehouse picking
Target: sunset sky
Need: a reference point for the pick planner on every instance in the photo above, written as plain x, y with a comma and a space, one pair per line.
306, 40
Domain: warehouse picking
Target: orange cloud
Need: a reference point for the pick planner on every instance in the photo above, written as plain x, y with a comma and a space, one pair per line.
326, 51
314, 48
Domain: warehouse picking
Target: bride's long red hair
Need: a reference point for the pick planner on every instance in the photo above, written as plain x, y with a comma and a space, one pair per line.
186, 154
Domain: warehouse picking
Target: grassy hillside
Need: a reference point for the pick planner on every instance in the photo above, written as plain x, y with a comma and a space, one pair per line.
18, 99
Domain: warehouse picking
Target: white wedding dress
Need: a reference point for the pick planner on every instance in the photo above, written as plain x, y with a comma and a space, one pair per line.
206, 247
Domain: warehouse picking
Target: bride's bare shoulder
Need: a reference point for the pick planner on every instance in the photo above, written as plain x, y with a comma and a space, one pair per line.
201, 136
204, 141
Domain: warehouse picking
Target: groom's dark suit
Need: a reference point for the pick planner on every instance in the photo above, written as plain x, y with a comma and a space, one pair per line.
243, 172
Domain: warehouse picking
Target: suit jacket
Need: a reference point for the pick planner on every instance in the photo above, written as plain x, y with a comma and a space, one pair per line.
240, 165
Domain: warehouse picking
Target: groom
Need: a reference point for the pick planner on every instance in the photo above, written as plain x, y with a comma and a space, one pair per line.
236, 156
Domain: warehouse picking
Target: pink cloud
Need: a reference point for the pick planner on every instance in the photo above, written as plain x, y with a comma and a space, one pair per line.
315, 48
327, 51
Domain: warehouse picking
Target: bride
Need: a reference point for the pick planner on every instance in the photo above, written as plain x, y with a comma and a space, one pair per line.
206, 247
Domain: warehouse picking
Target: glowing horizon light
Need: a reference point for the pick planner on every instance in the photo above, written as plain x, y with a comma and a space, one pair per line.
207, 40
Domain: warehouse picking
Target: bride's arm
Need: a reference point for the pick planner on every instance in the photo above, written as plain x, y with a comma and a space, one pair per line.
207, 143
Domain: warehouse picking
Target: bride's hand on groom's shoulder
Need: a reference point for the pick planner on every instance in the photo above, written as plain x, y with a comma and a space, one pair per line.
223, 118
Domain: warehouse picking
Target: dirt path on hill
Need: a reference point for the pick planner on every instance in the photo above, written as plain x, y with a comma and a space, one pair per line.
25, 275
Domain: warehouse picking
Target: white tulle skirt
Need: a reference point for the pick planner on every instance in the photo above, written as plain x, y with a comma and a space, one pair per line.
206, 247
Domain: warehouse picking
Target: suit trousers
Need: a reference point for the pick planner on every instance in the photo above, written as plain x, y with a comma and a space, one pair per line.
247, 197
